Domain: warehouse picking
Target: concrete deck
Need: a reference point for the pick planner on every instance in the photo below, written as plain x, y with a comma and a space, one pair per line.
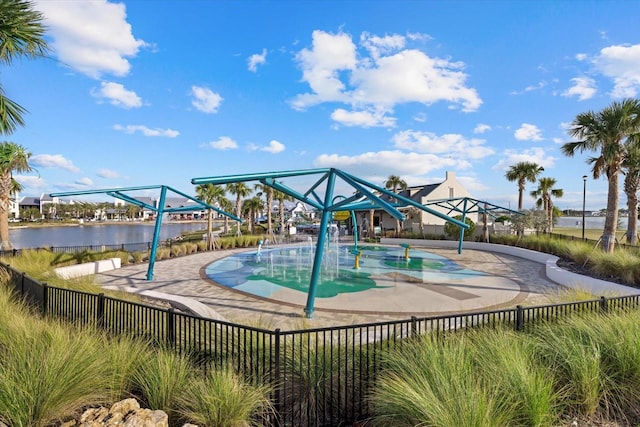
183, 280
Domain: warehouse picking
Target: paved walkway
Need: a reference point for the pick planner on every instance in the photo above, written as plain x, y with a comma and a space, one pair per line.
184, 278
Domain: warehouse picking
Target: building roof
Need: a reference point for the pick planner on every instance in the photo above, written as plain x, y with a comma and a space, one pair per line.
29, 201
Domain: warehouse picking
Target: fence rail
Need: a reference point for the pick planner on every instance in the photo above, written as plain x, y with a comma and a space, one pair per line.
320, 377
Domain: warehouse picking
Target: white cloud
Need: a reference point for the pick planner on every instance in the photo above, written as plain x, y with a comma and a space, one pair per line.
117, 95
205, 99
481, 128
583, 87
382, 75
621, 63
223, 143
31, 182
385, 163
531, 88
451, 145
363, 119
85, 182
534, 154
581, 56
53, 161
131, 129
107, 173
92, 37
274, 147
528, 132
257, 59
378, 46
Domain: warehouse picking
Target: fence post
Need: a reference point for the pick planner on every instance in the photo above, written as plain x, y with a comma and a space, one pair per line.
45, 299
414, 326
277, 405
100, 309
22, 276
171, 327
604, 304
519, 318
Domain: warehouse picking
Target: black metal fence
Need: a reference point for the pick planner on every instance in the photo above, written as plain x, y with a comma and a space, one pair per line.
320, 377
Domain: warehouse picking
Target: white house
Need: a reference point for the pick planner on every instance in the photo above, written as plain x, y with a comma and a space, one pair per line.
418, 220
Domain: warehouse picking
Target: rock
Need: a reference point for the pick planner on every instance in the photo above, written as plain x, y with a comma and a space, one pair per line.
126, 413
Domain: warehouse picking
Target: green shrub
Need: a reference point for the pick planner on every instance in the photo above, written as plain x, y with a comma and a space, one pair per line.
434, 382
453, 231
222, 399
162, 379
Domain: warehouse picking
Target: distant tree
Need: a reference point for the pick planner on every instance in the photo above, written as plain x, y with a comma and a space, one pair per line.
522, 172
606, 131
544, 193
281, 198
395, 184
13, 158
453, 231
209, 193
268, 192
226, 205
240, 190
252, 207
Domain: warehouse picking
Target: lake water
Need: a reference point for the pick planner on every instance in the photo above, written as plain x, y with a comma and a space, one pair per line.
97, 234
595, 222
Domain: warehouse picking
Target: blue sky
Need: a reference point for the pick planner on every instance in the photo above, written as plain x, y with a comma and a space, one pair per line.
144, 92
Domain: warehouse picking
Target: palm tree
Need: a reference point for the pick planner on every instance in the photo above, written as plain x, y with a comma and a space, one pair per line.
13, 158
522, 172
252, 207
281, 198
226, 205
606, 131
544, 192
209, 193
240, 190
631, 164
395, 184
21, 35
268, 191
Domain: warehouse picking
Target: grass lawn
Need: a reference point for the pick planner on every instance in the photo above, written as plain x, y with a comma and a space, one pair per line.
589, 233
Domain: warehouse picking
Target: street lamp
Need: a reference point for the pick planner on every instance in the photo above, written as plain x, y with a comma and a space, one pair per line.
584, 198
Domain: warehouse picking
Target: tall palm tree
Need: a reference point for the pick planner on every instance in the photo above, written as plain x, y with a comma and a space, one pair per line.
21, 35
268, 192
544, 192
606, 131
240, 190
281, 198
13, 158
522, 172
631, 165
395, 184
209, 193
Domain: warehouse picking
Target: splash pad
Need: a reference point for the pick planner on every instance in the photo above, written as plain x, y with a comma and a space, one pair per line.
364, 279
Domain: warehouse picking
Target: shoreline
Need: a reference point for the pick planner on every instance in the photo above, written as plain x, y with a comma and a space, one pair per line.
20, 225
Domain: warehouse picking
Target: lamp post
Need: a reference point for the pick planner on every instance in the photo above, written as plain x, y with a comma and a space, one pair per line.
584, 198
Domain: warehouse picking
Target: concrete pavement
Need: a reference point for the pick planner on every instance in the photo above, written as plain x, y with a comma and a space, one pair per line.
183, 280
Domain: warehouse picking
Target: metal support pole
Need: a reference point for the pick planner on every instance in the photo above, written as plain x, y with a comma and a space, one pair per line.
322, 233
462, 230
156, 232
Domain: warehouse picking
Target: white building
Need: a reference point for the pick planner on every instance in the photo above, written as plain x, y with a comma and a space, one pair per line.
421, 221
